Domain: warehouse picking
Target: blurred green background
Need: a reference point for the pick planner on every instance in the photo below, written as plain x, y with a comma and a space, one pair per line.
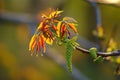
17, 26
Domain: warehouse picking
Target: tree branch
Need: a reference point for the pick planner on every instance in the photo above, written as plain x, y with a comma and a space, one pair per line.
103, 54
5, 16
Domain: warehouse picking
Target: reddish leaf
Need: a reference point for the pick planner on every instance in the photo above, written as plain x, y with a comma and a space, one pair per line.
71, 25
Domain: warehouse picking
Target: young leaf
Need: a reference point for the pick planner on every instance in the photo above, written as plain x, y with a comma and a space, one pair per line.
93, 53
73, 27
69, 19
76, 44
74, 39
69, 50
32, 42
55, 13
99, 59
59, 28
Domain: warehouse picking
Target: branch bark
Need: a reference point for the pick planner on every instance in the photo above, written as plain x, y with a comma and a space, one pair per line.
103, 54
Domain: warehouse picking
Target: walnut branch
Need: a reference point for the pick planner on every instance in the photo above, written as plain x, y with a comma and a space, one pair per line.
103, 54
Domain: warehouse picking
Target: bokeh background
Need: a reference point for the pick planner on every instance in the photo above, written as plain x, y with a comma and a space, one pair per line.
18, 21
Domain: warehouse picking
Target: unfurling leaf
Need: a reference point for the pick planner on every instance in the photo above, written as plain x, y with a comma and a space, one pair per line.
40, 25
74, 39
48, 40
76, 44
43, 44
69, 50
99, 59
59, 28
69, 19
32, 42
54, 13
93, 53
73, 27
